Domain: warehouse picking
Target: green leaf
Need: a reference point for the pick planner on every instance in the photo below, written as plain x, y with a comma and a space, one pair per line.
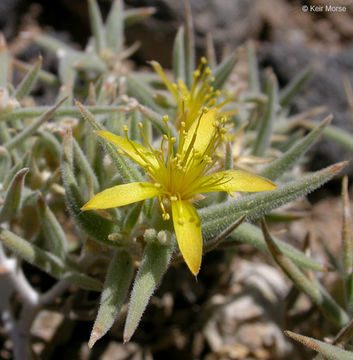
295, 85
331, 352
347, 246
83, 163
52, 44
30, 112
252, 235
309, 287
142, 92
93, 224
116, 286
334, 133
179, 55
13, 197
52, 230
154, 264
278, 167
190, 52
131, 16
132, 217
26, 85
254, 78
5, 163
127, 171
115, 27
47, 261
265, 131
29, 130
223, 70
4, 62
43, 76
217, 217
96, 25
157, 121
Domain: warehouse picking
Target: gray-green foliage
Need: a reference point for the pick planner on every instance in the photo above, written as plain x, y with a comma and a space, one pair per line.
51, 163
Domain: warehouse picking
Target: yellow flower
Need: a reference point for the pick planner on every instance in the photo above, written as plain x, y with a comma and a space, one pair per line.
178, 176
190, 102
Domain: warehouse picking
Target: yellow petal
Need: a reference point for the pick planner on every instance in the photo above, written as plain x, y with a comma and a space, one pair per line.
235, 180
188, 233
205, 132
121, 195
132, 149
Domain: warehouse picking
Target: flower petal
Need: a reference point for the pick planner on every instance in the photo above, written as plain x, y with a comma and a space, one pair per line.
188, 233
205, 132
235, 180
121, 195
132, 149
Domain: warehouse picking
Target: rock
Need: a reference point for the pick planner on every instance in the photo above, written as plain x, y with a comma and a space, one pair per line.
247, 321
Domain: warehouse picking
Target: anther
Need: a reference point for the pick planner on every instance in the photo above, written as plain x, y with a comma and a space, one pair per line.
165, 118
181, 221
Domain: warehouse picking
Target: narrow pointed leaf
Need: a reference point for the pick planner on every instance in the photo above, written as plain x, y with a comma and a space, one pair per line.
13, 197
84, 165
211, 51
223, 71
4, 62
131, 16
217, 217
45, 260
347, 246
179, 55
265, 131
157, 121
52, 230
30, 112
252, 235
29, 130
96, 25
190, 52
90, 222
127, 171
142, 92
5, 163
254, 78
51, 44
154, 264
331, 352
116, 286
278, 167
334, 133
115, 27
26, 85
43, 76
295, 85
311, 288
